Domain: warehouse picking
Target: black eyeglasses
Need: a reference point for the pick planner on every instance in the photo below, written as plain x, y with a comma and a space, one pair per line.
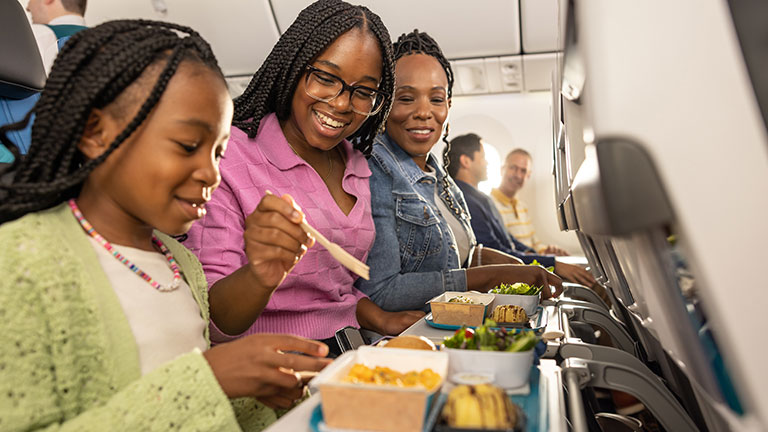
325, 87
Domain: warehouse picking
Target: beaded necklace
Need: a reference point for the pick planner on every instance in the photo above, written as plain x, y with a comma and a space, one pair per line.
88, 228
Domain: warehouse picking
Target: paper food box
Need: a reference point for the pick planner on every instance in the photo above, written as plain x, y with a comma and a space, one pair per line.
379, 407
462, 312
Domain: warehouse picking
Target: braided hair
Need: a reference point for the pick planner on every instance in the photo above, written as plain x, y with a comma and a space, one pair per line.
417, 42
317, 26
91, 71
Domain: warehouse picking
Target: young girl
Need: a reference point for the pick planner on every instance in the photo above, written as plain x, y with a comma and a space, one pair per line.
423, 235
328, 78
104, 319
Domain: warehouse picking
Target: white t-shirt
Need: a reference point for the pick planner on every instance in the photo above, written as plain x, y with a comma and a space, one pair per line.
460, 237
47, 43
164, 324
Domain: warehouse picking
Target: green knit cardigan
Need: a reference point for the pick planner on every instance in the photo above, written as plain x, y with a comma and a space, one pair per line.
68, 359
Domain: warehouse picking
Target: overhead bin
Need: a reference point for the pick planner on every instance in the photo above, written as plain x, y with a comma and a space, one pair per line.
485, 36
482, 28
540, 24
241, 32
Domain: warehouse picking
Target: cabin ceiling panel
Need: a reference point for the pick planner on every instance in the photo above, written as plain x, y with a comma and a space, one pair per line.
463, 29
241, 32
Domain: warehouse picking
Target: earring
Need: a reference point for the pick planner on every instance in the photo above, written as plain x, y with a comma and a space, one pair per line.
207, 193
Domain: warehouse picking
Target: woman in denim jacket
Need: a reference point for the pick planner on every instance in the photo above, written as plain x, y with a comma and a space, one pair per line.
423, 234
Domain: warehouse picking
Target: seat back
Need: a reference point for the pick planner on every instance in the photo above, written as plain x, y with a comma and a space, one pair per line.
22, 75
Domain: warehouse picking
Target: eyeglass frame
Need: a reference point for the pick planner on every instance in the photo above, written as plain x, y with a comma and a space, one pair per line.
344, 87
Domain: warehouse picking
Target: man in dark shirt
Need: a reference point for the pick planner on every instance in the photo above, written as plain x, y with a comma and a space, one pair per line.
468, 168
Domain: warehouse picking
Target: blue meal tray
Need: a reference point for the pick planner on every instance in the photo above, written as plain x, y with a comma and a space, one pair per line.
530, 404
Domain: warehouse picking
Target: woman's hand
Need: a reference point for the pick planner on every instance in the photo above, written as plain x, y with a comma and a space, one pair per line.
554, 250
485, 277
574, 273
394, 323
372, 317
264, 366
274, 240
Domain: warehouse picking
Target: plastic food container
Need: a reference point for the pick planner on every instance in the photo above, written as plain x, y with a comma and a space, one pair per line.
528, 302
449, 313
509, 369
378, 407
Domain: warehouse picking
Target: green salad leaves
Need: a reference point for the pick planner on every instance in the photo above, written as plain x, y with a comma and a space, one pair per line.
550, 269
488, 338
520, 288
516, 288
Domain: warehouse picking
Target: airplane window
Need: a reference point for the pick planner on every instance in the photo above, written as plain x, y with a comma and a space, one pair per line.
494, 168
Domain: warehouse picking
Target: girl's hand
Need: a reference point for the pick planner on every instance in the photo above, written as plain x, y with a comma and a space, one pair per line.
274, 241
261, 366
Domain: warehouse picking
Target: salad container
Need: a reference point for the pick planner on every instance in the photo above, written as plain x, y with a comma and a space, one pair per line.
508, 369
487, 350
444, 311
375, 407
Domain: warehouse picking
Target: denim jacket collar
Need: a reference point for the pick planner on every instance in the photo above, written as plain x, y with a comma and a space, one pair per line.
405, 163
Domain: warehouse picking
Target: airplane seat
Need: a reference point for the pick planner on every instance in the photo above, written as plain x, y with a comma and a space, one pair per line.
619, 196
22, 75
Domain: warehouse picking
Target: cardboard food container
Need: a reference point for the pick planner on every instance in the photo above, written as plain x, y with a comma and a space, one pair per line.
528, 302
445, 312
378, 407
509, 369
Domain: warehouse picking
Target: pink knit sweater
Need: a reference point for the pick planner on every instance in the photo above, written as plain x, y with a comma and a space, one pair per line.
317, 297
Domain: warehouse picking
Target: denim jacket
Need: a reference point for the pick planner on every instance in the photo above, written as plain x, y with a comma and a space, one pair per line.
414, 257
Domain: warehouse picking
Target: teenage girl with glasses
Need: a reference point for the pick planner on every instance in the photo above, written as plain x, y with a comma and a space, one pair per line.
328, 79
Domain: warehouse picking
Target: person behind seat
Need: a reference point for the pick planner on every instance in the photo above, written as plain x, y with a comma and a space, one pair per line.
53, 20
423, 234
328, 78
104, 316
514, 174
469, 167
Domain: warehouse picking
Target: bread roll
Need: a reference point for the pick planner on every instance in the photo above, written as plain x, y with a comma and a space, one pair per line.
410, 342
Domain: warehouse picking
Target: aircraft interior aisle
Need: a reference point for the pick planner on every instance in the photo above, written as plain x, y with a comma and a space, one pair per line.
645, 126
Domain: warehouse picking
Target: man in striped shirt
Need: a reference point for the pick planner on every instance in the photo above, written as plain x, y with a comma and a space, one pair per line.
515, 172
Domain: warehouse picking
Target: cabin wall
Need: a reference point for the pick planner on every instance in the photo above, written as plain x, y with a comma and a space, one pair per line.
508, 121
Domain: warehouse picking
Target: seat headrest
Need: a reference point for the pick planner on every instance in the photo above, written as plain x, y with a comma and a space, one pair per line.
21, 69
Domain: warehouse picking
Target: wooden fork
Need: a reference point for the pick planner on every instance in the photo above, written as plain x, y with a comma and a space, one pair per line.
345, 258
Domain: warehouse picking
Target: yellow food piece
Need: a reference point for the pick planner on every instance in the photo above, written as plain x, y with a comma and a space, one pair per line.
509, 314
361, 374
480, 406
